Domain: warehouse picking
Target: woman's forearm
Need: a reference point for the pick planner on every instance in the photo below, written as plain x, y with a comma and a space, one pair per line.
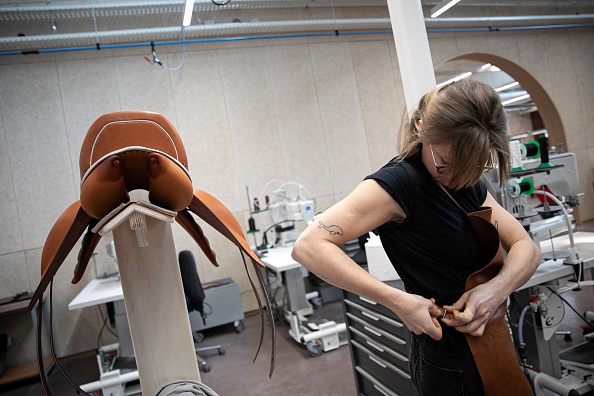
330, 263
521, 262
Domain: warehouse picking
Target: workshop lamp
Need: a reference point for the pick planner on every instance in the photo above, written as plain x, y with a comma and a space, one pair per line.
514, 100
507, 86
442, 7
454, 79
188, 12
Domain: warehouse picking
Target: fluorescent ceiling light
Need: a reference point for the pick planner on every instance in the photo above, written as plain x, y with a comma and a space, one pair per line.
514, 100
454, 79
507, 86
485, 66
188, 12
443, 7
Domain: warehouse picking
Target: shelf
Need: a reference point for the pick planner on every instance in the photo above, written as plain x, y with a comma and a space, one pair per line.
22, 371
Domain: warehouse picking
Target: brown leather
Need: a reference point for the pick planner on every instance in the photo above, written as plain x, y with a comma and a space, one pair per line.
185, 219
89, 243
169, 186
221, 219
61, 239
493, 352
105, 188
113, 131
125, 151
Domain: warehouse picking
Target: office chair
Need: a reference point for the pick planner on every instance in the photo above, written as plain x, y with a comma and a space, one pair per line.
195, 302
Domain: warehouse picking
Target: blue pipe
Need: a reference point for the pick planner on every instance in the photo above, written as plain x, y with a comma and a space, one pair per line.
284, 36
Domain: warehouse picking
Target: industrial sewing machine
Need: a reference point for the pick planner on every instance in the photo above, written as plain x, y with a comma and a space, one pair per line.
541, 194
289, 203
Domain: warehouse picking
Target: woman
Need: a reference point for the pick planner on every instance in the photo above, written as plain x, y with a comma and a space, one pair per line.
418, 202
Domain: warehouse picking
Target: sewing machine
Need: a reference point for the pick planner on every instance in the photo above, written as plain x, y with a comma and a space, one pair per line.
317, 337
541, 194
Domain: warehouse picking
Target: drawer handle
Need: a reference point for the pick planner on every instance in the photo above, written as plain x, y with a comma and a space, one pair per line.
370, 316
373, 359
381, 390
372, 331
368, 300
374, 346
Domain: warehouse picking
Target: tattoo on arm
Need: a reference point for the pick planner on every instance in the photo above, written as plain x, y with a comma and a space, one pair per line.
333, 229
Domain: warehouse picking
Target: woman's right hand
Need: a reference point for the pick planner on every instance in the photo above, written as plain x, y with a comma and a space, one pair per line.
419, 315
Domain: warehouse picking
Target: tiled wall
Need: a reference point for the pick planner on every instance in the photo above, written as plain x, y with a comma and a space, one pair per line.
323, 112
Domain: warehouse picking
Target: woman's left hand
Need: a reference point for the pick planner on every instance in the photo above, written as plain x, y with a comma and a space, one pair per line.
473, 310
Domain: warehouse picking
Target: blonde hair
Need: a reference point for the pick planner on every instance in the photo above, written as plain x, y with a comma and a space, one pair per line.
468, 116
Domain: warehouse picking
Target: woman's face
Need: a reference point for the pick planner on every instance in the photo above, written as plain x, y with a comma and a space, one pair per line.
438, 161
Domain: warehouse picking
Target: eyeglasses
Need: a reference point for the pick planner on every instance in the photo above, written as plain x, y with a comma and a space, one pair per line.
439, 168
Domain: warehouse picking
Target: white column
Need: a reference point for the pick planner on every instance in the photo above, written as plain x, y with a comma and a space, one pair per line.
154, 298
412, 48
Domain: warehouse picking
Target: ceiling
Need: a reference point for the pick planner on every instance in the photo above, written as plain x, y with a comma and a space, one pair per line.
34, 26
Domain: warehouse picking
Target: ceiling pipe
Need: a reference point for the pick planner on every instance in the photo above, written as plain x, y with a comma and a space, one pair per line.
246, 38
339, 26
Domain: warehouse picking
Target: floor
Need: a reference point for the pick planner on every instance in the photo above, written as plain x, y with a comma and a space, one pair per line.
235, 373
296, 372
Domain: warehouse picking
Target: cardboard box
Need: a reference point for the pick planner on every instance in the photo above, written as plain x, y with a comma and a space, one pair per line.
378, 263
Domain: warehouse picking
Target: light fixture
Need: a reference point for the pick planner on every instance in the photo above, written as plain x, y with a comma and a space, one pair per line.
454, 79
486, 66
514, 100
507, 86
443, 7
188, 12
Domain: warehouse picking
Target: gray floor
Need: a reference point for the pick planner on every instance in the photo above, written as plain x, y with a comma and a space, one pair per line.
296, 373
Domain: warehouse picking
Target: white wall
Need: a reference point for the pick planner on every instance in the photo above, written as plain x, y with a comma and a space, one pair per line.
320, 111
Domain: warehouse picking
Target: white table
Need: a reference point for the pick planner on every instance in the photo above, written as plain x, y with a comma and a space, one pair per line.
280, 261
555, 269
101, 291
98, 291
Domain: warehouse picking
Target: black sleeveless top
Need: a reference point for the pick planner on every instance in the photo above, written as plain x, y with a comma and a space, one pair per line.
434, 249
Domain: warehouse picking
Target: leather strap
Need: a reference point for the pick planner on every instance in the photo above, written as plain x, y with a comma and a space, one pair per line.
493, 352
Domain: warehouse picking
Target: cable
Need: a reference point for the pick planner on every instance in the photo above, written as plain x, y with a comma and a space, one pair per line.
268, 185
299, 186
520, 324
103, 327
183, 56
52, 346
95, 25
518, 341
573, 309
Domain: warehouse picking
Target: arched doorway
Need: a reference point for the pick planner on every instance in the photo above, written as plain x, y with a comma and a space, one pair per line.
547, 112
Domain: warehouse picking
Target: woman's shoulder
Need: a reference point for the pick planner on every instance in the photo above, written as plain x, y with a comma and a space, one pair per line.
399, 175
402, 166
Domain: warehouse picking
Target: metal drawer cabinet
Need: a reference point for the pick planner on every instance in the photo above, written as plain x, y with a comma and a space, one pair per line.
387, 330
368, 303
370, 386
379, 343
395, 378
400, 359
